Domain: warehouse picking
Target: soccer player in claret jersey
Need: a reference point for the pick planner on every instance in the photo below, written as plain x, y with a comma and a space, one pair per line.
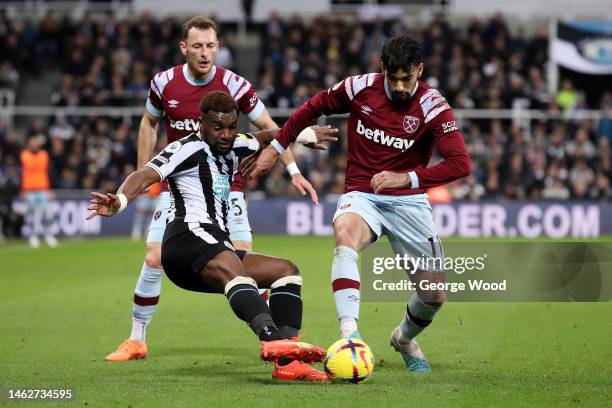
395, 121
174, 96
197, 253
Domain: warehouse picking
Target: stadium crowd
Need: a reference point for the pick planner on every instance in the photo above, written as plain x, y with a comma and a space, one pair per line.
110, 62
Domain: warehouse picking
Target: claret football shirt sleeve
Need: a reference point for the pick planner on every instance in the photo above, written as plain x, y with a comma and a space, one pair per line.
154, 102
248, 101
456, 159
335, 100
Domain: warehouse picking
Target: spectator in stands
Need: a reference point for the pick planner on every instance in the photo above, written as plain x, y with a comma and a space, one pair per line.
61, 129
580, 177
556, 190
9, 76
567, 98
9, 182
471, 190
604, 127
10, 221
581, 146
601, 189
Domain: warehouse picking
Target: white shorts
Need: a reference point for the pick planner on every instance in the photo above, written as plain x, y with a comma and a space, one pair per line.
407, 220
160, 216
238, 218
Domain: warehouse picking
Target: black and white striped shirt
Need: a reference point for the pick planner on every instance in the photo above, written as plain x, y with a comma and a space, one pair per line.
200, 180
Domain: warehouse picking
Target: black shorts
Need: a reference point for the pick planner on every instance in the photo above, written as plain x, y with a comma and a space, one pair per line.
187, 249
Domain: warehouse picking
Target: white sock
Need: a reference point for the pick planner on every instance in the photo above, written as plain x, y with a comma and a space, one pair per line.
146, 297
139, 330
346, 283
421, 312
347, 328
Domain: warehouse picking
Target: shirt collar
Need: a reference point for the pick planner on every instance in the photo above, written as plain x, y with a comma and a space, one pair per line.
199, 82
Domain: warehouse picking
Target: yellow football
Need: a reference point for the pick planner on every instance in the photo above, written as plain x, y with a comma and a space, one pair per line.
349, 361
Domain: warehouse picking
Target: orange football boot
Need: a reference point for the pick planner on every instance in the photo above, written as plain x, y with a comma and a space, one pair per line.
291, 349
297, 371
128, 350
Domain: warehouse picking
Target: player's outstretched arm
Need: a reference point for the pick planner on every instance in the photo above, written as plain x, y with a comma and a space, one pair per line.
333, 101
147, 137
265, 121
324, 103
269, 155
311, 137
264, 137
109, 204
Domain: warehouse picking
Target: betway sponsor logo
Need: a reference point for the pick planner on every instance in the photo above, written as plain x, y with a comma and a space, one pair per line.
190, 125
380, 137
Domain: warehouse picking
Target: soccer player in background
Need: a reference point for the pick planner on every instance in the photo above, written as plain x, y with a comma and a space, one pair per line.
36, 189
395, 121
174, 96
197, 253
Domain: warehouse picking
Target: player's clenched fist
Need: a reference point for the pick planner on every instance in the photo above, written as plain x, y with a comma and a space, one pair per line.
313, 136
388, 179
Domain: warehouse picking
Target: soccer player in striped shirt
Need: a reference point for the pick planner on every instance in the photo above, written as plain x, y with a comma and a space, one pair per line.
197, 253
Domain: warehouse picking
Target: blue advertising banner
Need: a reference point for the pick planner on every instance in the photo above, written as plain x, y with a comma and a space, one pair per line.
529, 219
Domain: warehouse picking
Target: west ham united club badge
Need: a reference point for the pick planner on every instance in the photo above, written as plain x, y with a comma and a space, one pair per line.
411, 124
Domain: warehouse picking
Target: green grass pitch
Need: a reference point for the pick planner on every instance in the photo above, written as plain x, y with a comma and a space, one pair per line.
63, 310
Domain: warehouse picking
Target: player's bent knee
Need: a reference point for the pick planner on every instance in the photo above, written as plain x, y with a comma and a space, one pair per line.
293, 270
153, 256
345, 237
289, 269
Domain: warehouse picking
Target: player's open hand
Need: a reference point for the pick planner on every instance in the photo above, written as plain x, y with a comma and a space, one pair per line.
319, 134
105, 205
255, 167
388, 179
304, 186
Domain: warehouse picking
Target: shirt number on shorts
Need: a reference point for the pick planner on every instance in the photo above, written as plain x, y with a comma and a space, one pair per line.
237, 209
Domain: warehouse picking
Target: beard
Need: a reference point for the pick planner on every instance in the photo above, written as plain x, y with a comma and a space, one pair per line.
217, 150
400, 96
221, 150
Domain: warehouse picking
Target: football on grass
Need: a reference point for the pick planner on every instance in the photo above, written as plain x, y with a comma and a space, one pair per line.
349, 361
